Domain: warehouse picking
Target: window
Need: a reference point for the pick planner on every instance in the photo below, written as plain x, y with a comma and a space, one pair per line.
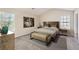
7, 18
65, 22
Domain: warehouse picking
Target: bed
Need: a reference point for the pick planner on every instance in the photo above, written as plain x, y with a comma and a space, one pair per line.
48, 32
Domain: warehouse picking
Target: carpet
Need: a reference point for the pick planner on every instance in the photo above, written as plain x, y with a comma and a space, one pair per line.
25, 43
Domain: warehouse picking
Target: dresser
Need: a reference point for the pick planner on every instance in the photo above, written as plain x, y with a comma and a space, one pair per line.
7, 41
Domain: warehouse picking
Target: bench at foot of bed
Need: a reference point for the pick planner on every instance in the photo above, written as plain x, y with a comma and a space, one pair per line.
41, 36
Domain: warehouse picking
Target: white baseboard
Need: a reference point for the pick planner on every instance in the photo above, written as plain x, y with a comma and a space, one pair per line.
21, 35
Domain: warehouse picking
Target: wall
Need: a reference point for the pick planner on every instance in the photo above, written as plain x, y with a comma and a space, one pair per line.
54, 15
51, 15
73, 43
19, 30
19, 25
75, 22
78, 25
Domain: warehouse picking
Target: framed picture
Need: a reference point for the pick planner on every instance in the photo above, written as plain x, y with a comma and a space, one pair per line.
28, 22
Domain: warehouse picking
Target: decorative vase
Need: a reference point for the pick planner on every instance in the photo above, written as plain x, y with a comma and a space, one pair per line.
4, 30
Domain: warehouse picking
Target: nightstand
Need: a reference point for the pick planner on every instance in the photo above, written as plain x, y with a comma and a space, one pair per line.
63, 32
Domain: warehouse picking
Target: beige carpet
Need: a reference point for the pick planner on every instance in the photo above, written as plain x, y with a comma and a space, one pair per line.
25, 43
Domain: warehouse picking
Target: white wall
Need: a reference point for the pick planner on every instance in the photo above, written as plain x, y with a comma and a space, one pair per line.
75, 22
54, 15
19, 30
78, 23
73, 44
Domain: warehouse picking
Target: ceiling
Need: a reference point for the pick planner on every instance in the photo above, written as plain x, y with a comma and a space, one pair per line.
39, 11
35, 11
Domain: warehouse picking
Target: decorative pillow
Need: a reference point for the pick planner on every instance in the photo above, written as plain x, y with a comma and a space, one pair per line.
46, 27
54, 28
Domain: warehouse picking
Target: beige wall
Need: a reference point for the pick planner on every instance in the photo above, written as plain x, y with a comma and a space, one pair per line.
54, 15
19, 30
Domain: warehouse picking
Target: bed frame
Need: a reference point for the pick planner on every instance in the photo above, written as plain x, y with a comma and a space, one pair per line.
51, 24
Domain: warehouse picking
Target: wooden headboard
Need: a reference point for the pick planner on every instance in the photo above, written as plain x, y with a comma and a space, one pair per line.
51, 24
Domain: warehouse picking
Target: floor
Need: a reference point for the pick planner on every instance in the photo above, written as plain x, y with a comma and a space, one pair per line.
25, 43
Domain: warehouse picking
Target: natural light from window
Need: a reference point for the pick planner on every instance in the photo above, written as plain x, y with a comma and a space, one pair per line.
65, 22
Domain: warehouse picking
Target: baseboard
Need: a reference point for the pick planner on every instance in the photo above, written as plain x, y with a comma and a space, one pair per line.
22, 35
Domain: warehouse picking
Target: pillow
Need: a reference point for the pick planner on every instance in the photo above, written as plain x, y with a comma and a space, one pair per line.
46, 27
54, 28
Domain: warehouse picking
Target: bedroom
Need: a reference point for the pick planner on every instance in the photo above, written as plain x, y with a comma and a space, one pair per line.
28, 22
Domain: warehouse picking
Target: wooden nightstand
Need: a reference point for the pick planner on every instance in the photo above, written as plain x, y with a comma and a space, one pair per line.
63, 32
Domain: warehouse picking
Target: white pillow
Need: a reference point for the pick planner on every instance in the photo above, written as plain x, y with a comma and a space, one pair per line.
46, 27
54, 28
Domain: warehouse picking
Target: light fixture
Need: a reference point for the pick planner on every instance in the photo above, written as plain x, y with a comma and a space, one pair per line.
33, 8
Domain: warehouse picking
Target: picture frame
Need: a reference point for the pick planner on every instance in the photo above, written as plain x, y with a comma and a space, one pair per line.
28, 22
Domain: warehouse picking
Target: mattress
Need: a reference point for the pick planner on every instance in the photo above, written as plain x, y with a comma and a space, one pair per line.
44, 34
51, 30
